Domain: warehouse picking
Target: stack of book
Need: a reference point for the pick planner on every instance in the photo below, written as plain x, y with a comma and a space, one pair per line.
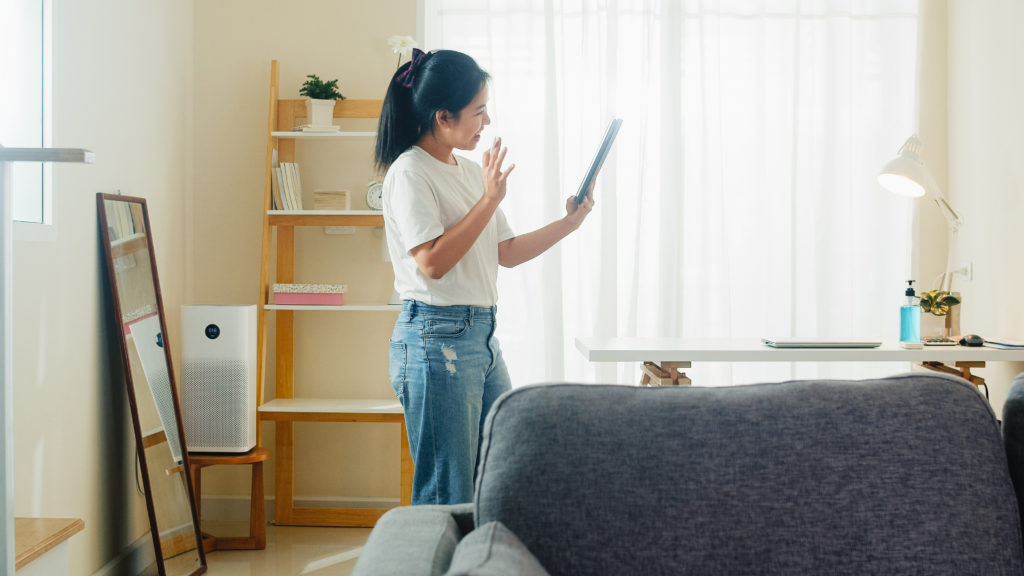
287, 188
330, 200
312, 128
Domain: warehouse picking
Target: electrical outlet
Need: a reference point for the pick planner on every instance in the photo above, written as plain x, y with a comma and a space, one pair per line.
966, 270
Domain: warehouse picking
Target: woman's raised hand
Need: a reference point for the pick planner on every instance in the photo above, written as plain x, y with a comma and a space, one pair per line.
575, 213
494, 178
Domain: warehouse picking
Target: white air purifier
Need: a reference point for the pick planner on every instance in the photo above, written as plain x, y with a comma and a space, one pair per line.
218, 393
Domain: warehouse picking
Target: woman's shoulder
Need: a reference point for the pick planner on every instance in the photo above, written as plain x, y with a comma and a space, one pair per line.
412, 157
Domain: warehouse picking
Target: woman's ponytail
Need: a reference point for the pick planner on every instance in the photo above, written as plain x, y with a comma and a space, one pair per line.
430, 82
397, 129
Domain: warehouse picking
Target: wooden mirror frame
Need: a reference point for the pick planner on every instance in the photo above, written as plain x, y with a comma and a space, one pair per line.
184, 542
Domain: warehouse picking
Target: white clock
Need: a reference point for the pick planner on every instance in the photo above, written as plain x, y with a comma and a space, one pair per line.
375, 195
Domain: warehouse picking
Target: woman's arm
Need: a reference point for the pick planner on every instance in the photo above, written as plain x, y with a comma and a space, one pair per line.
436, 257
515, 251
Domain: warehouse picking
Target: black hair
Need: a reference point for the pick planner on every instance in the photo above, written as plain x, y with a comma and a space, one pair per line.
444, 80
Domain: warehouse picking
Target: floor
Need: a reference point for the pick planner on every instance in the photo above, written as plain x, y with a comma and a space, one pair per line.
291, 551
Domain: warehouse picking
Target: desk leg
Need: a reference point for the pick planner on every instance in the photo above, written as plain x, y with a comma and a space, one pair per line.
665, 374
963, 370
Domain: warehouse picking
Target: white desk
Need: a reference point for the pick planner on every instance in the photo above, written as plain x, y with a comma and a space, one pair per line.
663, 357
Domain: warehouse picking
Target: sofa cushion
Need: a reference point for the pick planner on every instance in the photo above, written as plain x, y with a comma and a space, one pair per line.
899, 475
493, 550
428, 536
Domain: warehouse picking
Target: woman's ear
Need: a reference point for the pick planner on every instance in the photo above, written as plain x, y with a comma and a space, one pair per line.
444, 119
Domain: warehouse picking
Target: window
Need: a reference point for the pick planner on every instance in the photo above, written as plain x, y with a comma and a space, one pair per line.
25, 112
740, 199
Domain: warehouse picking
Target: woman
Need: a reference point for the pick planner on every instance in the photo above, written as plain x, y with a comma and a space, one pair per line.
447, 236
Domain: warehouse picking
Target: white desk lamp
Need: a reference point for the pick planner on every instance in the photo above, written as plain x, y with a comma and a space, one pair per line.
907, 175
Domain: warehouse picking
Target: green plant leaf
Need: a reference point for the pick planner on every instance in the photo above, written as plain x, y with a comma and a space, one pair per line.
950, 300
928, 300
317, 89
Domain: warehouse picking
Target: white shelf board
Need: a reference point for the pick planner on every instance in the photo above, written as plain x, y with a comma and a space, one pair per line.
303, 135
47, 155
346, 308
333, 405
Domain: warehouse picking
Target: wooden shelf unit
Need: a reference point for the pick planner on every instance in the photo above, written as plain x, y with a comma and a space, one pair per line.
284, 410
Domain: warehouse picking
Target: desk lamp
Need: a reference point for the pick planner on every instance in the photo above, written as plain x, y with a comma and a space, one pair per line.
907, 175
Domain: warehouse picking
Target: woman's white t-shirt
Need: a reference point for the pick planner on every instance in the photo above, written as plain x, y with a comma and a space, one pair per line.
423, 197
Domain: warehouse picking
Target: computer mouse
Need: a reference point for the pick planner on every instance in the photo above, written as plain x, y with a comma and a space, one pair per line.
972, 340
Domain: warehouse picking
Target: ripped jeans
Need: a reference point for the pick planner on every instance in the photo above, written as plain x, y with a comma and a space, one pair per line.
447, 370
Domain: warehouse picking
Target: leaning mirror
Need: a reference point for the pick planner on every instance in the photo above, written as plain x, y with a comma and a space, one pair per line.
152, 394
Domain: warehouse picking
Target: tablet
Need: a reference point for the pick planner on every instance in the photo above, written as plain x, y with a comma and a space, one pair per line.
602, 153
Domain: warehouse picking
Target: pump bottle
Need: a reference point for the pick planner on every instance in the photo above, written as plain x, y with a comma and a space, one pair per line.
910, 316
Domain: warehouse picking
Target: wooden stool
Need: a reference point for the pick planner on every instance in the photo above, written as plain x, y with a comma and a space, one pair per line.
257, 539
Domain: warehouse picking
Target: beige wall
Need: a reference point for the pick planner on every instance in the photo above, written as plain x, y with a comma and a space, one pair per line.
970, 121
122, 88
337, 354
986, 168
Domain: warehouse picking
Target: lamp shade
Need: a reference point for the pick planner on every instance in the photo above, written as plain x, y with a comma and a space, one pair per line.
907, 175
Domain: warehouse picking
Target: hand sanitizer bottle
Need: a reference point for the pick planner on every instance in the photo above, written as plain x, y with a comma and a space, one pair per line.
910, 316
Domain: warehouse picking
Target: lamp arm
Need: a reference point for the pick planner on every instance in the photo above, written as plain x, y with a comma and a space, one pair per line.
952, 216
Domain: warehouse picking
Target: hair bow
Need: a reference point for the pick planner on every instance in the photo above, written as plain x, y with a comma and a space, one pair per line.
408, 76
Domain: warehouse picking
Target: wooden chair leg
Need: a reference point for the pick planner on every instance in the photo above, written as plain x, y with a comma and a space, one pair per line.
257, 513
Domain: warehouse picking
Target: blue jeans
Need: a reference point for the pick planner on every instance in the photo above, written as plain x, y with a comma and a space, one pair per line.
447, 370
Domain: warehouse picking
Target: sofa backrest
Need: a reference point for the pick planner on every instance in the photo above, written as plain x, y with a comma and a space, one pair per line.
893, 476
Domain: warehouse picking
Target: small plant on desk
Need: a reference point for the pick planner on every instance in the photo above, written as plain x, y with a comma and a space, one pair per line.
938, 302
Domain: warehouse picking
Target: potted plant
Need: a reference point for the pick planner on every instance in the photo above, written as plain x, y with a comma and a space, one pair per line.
940, 303
320, 99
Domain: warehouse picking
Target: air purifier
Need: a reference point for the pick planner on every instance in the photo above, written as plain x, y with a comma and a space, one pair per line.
218, 392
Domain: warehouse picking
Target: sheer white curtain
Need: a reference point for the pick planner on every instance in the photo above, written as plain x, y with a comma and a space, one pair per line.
740, 200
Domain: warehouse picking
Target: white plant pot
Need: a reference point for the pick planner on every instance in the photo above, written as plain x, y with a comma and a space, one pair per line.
319, 112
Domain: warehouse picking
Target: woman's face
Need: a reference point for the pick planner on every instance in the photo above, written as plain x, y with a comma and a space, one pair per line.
465, 132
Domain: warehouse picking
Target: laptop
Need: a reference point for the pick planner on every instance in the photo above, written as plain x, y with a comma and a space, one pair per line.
791, 342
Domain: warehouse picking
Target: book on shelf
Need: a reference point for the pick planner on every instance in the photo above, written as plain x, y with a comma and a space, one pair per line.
275, 183
297, 190
292, 186
282, 185
330, 200
312, 128
275, 187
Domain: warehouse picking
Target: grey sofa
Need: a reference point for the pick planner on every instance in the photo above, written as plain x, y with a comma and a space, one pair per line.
902, 475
